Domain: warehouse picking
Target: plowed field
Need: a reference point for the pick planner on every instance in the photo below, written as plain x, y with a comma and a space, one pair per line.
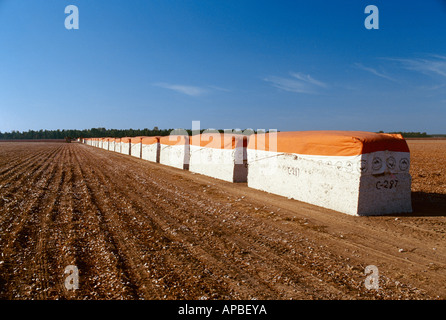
140, 230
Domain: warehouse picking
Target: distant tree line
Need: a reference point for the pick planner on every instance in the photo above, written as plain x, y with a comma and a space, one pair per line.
95, 133
411, 134
87, 133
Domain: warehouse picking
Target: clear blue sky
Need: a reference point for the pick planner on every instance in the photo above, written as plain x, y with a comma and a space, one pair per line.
286, 65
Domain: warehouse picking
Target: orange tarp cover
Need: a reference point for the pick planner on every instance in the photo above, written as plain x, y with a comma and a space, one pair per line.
150, 140
135, 139
329, 143
126, 139
174, 140
219, 140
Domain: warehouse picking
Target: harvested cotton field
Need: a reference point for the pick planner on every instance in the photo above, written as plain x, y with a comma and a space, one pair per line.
136, 229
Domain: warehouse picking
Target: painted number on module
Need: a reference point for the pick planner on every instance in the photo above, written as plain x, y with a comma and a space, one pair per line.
386, 184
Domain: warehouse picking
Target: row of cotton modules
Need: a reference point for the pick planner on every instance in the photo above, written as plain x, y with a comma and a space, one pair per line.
354, 172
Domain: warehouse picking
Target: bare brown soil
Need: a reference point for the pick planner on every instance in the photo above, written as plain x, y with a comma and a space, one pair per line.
32, 140
140, 230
